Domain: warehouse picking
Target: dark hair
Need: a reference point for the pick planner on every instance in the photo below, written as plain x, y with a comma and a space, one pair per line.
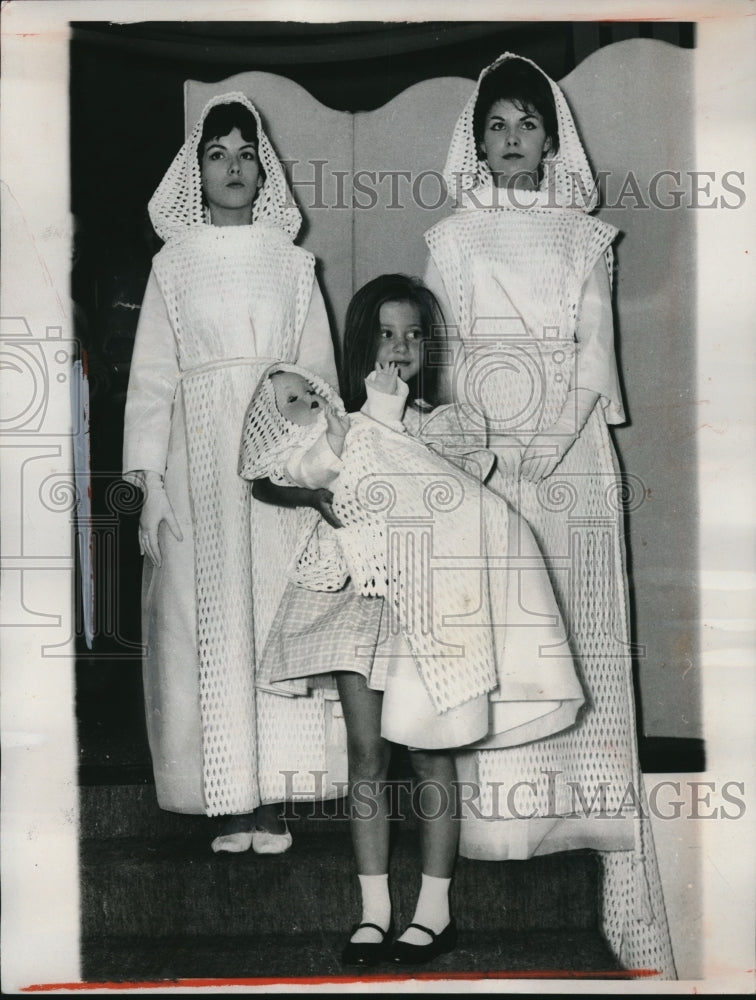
525, 86
362, 327
223, 119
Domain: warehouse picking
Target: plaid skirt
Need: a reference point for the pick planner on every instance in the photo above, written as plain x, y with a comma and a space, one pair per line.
316, 634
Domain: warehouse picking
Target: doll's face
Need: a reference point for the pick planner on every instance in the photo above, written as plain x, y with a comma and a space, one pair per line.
400, 334
230, 178
296, 399
514, 143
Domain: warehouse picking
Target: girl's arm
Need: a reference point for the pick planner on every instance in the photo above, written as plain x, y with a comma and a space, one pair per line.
296, 496
386, 396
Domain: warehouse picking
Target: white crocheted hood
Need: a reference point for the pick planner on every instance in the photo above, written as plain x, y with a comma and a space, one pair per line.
177, 204
268, 437
567, 178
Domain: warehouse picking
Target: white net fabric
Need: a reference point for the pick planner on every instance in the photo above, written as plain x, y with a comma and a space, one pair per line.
417, 531
514, 315
514, 279
567, 178
268, 440
234, 294
177, 204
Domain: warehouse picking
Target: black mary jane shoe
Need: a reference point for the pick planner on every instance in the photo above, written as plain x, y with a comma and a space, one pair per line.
404, 953
367, 953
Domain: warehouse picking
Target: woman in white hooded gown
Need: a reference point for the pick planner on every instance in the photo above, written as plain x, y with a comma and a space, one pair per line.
524, 270
229, 291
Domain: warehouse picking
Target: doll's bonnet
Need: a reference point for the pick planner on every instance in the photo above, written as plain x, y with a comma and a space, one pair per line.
268, 437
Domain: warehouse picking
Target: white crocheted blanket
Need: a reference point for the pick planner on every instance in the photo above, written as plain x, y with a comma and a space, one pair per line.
417, 530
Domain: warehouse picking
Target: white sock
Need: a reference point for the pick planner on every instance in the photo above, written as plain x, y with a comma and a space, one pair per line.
376, 908
432, 909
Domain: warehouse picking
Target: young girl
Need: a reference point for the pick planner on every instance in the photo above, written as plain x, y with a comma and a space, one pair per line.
404, 691
524, 271
228, 287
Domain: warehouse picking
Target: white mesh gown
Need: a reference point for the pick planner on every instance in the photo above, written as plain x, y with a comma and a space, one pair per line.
218, 300
529, 288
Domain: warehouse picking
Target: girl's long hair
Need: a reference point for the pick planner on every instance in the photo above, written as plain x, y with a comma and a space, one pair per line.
361, 336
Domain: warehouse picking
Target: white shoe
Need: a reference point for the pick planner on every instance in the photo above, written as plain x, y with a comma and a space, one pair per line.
264, 842
234, 843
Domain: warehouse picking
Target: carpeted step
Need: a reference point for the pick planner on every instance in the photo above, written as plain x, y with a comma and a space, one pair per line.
179, 887
260, 957
119, 810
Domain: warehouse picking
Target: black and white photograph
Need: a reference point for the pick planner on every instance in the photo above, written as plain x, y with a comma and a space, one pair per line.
377, 595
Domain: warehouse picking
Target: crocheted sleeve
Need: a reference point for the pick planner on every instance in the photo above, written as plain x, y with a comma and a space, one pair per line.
152, 386
313, 467
596, 364
316, 344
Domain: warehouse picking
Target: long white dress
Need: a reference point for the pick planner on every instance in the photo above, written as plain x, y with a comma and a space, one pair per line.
218, 300
529, 291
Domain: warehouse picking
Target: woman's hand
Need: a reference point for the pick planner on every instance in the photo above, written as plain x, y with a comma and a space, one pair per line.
543, 454
320, 500
156, 508
546, 450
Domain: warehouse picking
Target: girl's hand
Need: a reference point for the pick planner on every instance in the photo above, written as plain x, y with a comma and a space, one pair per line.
156, 508
385, 378
322, 501
544, 453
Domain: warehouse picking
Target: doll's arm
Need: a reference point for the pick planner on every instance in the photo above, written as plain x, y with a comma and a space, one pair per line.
315, 466
336, 430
